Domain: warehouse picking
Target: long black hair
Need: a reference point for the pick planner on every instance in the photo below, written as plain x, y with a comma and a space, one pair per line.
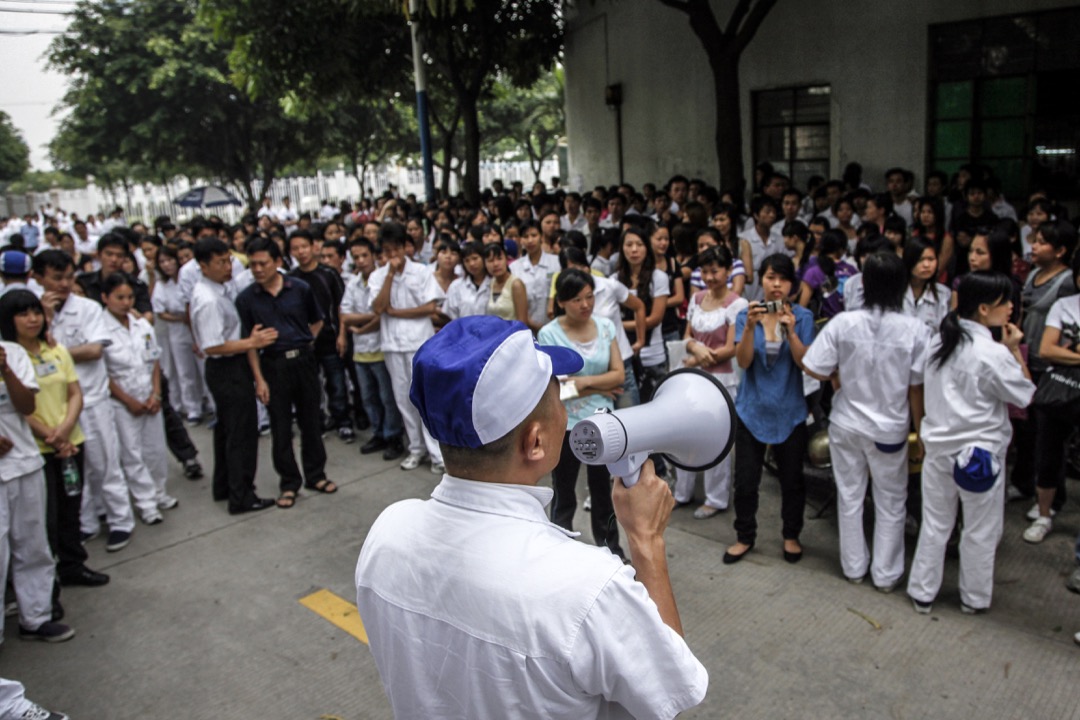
976, 288
644, 284
999, 245
832, 242
913, 252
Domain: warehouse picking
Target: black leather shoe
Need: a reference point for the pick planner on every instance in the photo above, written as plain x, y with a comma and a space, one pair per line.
375, 444
84, 576
730, 559
394, 450
254, 506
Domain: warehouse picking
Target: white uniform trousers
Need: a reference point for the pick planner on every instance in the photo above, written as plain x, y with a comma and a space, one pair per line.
717, 479
24, 541
13, 702
104, 490
855, 456
142, 455
399, 365
178, 363
983, 518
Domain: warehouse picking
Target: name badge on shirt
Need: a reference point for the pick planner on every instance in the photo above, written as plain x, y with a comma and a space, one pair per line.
5, 398
151, 351
45, 369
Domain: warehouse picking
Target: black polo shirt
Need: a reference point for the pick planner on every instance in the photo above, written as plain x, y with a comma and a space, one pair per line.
91, 283
291, 313
328, 288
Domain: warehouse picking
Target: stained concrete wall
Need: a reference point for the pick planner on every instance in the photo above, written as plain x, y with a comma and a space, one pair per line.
873, 53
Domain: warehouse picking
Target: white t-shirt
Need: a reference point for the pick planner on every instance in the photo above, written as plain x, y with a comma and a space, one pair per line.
413, 287
537, 279
24, 457
1065, 316
609, 296
653, 353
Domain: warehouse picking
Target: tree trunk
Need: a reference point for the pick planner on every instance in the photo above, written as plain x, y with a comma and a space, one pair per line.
729, 143
472, 148
446, 165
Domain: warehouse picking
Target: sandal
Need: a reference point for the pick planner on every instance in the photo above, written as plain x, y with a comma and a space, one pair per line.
324, 486
287, 500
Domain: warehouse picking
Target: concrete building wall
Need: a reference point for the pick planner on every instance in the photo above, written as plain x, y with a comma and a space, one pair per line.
873, 53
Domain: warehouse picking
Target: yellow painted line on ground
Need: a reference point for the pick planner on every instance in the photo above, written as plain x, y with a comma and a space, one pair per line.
337, 611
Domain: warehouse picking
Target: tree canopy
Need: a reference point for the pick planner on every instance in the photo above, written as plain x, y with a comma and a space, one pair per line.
14, 152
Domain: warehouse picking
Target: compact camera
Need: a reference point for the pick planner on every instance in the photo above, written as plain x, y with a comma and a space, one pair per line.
773, 306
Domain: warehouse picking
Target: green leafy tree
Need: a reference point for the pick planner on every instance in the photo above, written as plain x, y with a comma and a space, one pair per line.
723, 46
150, 97
470, 44
525, 122
14, 152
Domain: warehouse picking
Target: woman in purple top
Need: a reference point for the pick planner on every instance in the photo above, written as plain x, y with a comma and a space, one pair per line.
822, 286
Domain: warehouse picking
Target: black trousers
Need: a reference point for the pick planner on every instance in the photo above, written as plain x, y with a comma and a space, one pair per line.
1051, 443
749, 459
294, 383
563, 506
236, 434
1025, 438
62, 516
176, 435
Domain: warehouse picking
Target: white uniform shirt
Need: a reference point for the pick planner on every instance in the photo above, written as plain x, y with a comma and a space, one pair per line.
78, 322
477, 606
758, 252
214, 320
854, 298
879, 355
131, 356
579, 223
413, 287
24, 457
166, 297
931, 309
609, 296
537, 279
190, 274
357, 299
966, 396
465, 298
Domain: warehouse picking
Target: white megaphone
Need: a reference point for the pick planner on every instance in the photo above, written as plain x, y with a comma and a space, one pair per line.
690, 421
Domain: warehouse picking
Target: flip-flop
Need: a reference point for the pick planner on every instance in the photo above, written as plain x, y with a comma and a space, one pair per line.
327, 487
287, 500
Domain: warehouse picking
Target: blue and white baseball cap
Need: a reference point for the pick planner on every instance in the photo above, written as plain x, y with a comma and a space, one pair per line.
14, 262
479, 377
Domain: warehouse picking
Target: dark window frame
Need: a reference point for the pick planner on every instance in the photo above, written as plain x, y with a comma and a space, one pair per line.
790, 125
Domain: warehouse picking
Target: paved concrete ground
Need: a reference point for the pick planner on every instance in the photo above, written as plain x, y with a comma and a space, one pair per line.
202, 620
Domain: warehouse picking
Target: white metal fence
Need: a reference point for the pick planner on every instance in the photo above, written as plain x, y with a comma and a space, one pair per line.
146, 202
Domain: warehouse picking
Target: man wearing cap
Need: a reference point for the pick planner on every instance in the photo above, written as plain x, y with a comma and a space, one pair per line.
15, 266
475, 605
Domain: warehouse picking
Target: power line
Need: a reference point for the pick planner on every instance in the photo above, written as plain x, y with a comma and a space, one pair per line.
28, 11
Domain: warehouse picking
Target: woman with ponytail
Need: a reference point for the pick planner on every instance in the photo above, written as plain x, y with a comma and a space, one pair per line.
969, 381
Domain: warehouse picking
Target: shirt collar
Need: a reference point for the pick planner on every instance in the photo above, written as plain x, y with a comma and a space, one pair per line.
523, 502
217, 287
977, 328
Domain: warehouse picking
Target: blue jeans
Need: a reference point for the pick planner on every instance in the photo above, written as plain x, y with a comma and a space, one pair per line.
378, 399
337, 392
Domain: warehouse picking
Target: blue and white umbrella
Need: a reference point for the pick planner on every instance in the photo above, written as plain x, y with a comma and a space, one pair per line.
207, 196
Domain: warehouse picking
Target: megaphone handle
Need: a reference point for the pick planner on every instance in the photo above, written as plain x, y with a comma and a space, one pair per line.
629, 468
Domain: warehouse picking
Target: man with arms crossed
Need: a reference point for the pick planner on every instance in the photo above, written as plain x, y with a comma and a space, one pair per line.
476, 606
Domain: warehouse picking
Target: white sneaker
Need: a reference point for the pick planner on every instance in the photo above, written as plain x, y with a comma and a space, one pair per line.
1033, 513
36, 712
923, 608
438, 468
152, 518
412, 461
1038, 530
167, 502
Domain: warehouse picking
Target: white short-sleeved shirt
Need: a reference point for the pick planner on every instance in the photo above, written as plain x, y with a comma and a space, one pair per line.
1065, 316
357, 299
413, 287
79, 322
879, 355
653, 353
477, 606
166, 297
24, 457
931, 309
758, 252
967, 396
190, 274
708, 321
465, 298
131, 356
537, 279
214, 320
609, 296
854, 298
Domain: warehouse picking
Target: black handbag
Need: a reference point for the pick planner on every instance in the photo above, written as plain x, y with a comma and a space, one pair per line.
1059, 390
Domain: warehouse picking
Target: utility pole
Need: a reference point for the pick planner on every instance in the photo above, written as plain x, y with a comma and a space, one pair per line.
420, 73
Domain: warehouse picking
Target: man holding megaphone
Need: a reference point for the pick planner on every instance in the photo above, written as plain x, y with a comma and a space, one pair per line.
475, 605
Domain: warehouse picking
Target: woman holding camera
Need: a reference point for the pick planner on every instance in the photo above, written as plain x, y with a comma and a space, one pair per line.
770, 339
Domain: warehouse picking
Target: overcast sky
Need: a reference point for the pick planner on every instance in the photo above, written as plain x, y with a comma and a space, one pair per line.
28, 93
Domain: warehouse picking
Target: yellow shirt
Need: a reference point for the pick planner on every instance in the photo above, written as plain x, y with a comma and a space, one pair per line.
54, 369
555, 278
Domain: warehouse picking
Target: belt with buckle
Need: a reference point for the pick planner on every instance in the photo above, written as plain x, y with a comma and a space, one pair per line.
291, 354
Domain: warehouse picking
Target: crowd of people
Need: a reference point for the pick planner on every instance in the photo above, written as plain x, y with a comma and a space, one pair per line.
893, 312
